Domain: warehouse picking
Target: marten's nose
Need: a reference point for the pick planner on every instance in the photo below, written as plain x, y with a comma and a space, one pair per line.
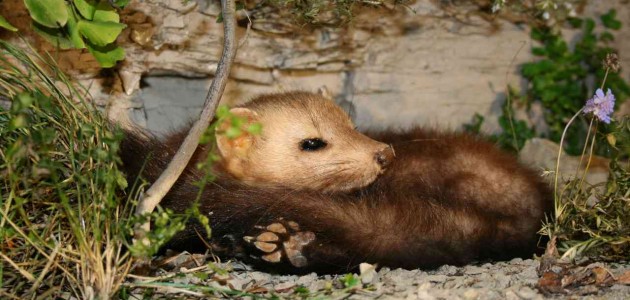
385, 156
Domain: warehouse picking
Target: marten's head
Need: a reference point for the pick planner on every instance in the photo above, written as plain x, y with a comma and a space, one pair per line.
307, 142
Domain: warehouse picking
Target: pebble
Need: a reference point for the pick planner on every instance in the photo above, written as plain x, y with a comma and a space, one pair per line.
511, 295
527, 293
437, 278
447, 270
517, 260
474, 270
306, 279
501, 280
368, 273
471, 294
422, 295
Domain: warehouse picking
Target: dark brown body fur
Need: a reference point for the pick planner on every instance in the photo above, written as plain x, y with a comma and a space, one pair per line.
447, 199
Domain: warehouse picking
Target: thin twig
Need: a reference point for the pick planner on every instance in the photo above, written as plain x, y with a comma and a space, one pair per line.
509, 97
163, 184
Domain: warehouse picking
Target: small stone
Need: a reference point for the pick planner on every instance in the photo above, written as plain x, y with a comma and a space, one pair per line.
471, 294
511, 295
307, 279
474, 270
259, 277
517, 260
425, 286
447, 270
528, 276
491, 295
527, 293
501, 280
437, 278
423, 295
368, 273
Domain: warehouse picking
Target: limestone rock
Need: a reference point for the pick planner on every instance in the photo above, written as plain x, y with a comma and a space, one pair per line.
542, 154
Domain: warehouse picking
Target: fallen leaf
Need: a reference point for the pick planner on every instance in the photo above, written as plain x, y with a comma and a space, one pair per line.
602, 276
284, 287
257, 290
550, 282
624, 278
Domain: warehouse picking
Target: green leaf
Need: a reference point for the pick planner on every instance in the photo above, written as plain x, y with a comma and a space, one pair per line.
610, 21
49, 13
106, 13
575, 22
201, 275
22, 102
73, 30
121, 3
86, 8
107, 56
6, 25
349, 280
606, 37
589, 26
233, 132
100, 33
18, 121
255, 128
223, 111
54, 36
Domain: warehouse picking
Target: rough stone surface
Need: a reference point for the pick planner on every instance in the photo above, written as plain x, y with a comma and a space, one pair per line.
543, 154
398, 68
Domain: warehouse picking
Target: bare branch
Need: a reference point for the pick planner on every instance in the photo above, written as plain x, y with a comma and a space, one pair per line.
167, 179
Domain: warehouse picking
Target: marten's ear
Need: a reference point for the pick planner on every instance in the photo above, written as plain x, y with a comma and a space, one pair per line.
324, 92
236, 147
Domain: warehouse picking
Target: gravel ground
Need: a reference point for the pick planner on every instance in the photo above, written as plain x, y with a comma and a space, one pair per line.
516, 279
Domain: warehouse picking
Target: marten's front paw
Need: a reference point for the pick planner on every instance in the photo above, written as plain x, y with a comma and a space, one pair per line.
282, 240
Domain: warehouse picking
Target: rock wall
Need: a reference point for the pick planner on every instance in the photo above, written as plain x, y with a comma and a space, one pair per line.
394, 66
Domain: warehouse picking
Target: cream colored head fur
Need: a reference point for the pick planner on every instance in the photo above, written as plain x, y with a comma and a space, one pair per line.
307, 142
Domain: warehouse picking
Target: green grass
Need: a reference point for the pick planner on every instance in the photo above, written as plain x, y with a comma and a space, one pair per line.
594, 220
63, 221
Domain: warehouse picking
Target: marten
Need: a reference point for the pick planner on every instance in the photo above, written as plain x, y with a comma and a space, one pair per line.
311, 193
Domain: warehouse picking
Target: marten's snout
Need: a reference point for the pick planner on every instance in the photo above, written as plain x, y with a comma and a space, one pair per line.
384, 157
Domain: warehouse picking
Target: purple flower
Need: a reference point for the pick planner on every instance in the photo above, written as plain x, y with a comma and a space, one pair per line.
601, 105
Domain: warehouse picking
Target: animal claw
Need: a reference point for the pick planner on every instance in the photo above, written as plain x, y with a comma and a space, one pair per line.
282, 240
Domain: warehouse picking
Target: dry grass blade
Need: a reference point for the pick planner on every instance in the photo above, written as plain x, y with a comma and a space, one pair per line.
24, 273
61, 191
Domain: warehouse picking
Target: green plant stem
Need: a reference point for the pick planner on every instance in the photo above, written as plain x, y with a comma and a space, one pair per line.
588, 135
590, 157
509, 98
605, 77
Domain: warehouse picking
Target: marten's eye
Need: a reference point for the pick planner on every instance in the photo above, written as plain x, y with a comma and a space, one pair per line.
312, 144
